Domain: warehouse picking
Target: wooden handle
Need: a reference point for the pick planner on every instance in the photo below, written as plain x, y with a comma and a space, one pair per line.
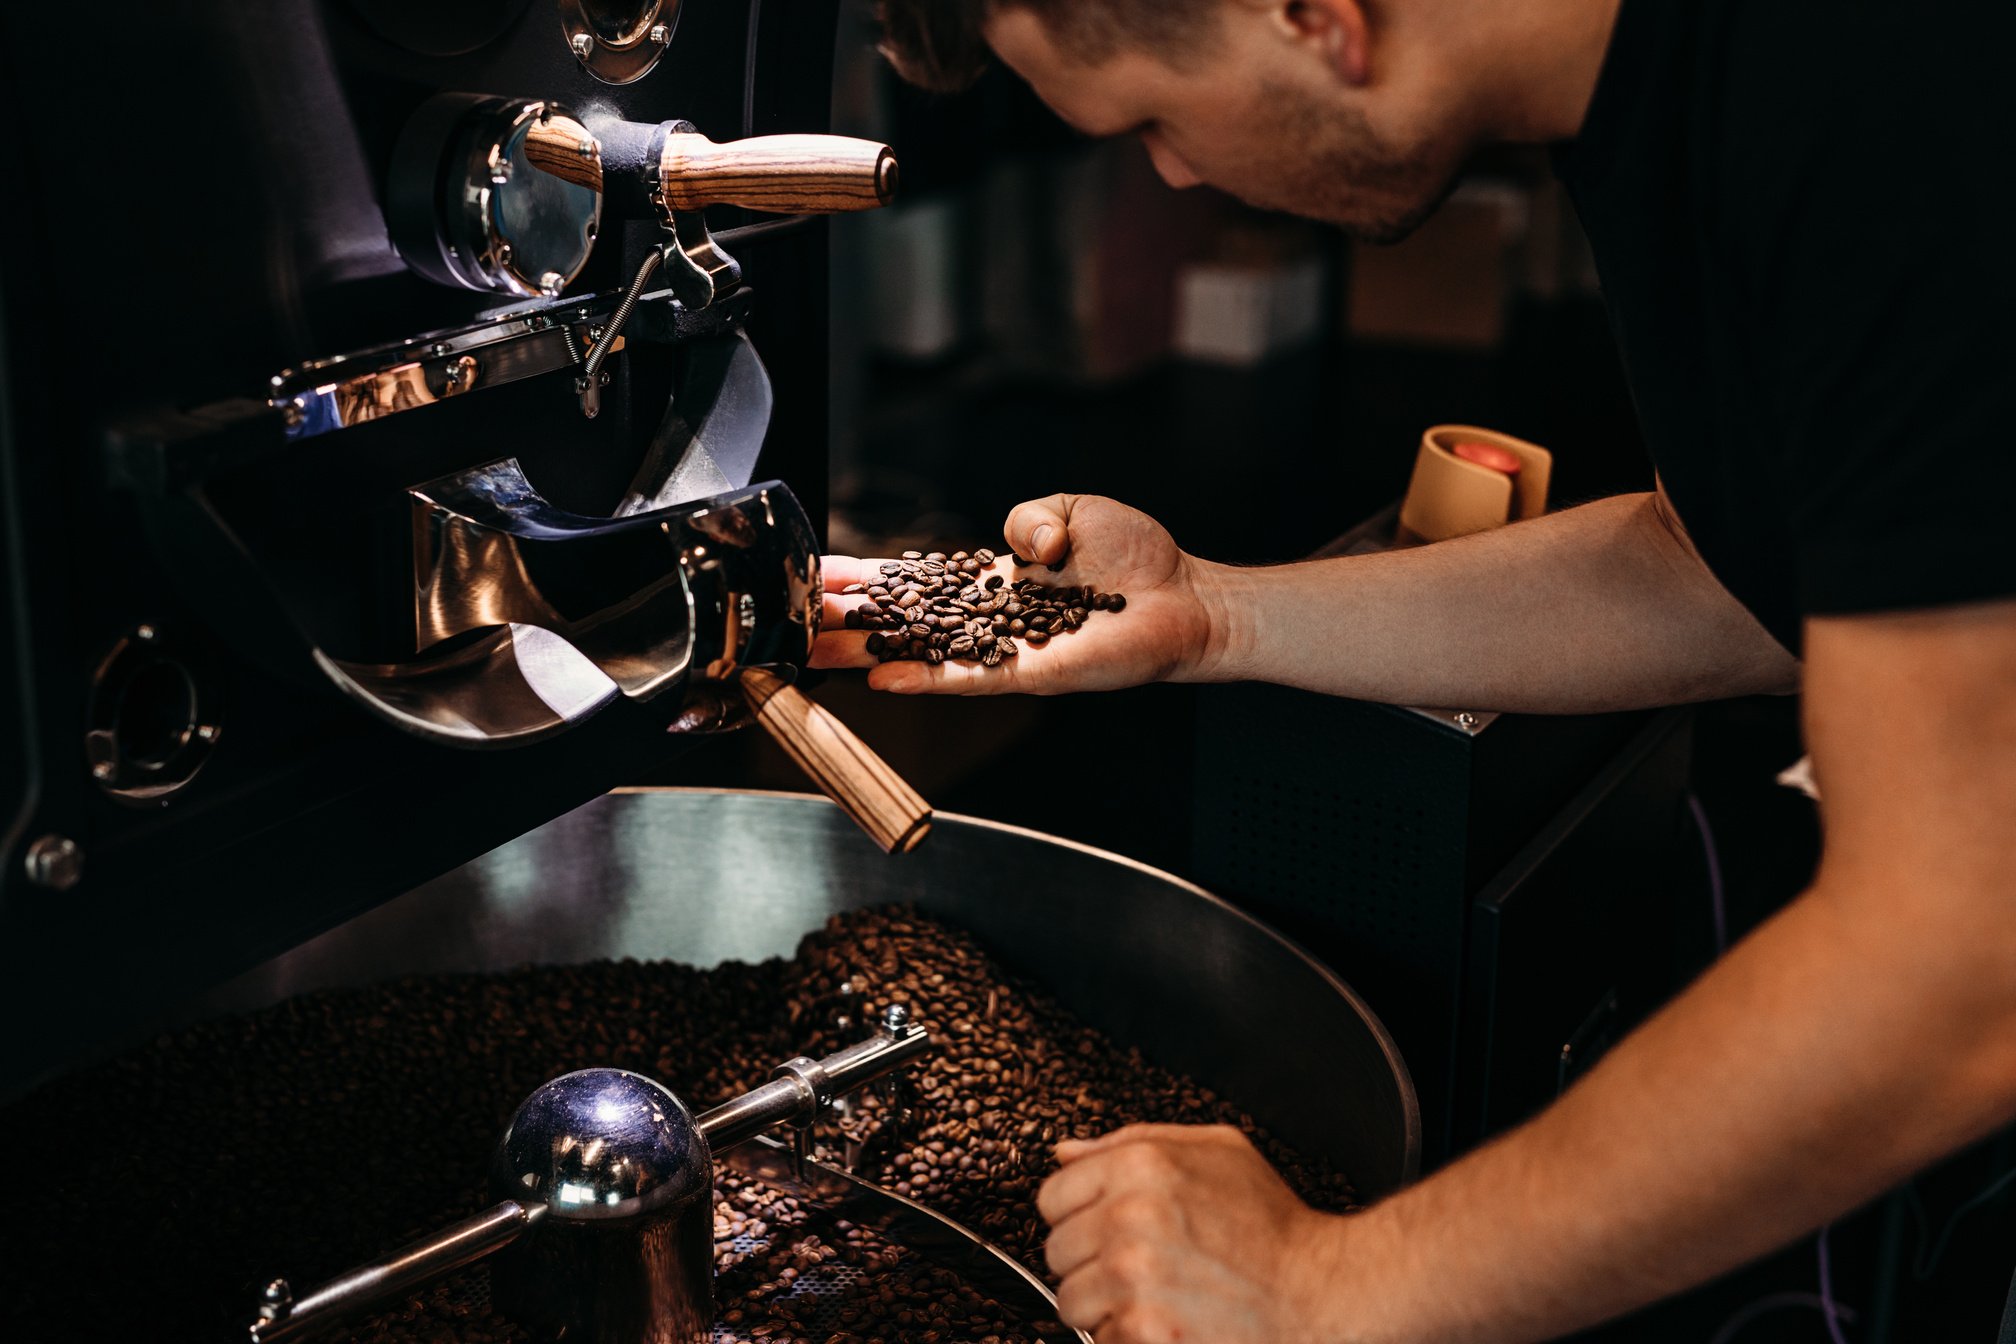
781, 174
556, 145
842, 765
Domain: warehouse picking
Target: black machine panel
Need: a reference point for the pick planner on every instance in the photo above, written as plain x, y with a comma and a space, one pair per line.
185, 790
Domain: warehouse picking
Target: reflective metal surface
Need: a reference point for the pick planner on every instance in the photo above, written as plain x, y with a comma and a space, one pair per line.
840, 1194
704, 877
649, 599
369, 1287
355, 389
154, 717
625, 1252
618, 41
498, 194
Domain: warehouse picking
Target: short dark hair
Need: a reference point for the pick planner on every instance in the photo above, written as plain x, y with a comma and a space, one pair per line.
939, 44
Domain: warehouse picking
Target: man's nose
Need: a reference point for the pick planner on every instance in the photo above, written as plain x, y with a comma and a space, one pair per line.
1169, 163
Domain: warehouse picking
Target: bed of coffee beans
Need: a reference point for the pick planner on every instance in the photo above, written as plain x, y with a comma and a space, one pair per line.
931, 607
162, 1189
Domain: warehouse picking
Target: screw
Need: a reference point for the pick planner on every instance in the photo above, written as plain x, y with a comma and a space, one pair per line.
206, 732
55, 862
276, 1301
896, 1018
503, 254
500, 172
551, 283
1466, 720
586, 149
661, 34
584, 45
104, 770
144, 632
437, 350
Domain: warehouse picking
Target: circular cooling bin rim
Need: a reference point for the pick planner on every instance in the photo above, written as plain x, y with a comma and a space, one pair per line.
704, 876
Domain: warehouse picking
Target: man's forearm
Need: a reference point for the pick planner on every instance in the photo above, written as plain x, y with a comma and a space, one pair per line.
1822, 1061
1595, 608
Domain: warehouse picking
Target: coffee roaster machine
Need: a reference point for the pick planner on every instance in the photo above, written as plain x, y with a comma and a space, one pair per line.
426, 471
412, 427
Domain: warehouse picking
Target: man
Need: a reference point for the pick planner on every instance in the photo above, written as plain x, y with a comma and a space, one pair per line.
1809, 296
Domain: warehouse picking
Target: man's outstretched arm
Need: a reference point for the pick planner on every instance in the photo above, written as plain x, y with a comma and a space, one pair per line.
1867, 1030
1601, 607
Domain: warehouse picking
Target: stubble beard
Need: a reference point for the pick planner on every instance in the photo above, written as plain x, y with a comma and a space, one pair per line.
1343, 172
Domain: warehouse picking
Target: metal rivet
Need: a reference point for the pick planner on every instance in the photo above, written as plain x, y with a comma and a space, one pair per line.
104, 770
661, 34
144, 632
1466, 720
552, 283
206, 732
586, 149
503, 254
584, 45
55, 862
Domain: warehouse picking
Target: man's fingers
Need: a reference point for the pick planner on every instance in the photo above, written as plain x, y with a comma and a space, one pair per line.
842, 648
1040, 529
840, 570
1071, 1191
1088, 1297
1074, 1244
908, 678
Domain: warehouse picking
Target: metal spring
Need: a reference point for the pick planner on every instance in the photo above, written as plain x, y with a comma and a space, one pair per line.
610, 333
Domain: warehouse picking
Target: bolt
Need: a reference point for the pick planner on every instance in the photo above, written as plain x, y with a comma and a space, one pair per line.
661, 34
896, 1018
437, 350
145, 632
584, 45
104, 770
500, 172
551, 283
55, 862
276, 1301
503, 254
586, 148
206, 732
293, 413
1466, 720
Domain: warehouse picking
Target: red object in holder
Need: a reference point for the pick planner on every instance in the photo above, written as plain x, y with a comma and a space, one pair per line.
1488, 455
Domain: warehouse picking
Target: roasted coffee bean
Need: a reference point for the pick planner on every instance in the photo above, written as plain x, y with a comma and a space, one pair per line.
936, 606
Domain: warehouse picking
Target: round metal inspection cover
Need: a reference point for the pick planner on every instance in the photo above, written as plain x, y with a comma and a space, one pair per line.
618, 41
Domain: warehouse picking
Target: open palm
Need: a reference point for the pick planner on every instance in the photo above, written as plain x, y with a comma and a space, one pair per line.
1164, 633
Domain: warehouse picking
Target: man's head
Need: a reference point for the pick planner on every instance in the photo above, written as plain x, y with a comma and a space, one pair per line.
1350, 111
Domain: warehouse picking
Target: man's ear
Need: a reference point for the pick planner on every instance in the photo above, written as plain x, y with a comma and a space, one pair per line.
1335, 30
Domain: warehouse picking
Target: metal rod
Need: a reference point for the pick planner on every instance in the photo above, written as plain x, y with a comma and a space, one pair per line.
805, 1086
360, 1290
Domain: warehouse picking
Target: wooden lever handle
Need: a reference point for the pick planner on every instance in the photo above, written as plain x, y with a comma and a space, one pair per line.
563, 147
842, 765
781, 174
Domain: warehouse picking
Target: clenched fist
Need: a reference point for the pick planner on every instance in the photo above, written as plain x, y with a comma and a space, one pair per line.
1168, 1233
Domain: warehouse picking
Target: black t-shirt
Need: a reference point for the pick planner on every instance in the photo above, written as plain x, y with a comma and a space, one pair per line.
1800, 214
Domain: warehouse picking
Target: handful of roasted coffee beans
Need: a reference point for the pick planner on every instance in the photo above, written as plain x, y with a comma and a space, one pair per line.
933, 607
